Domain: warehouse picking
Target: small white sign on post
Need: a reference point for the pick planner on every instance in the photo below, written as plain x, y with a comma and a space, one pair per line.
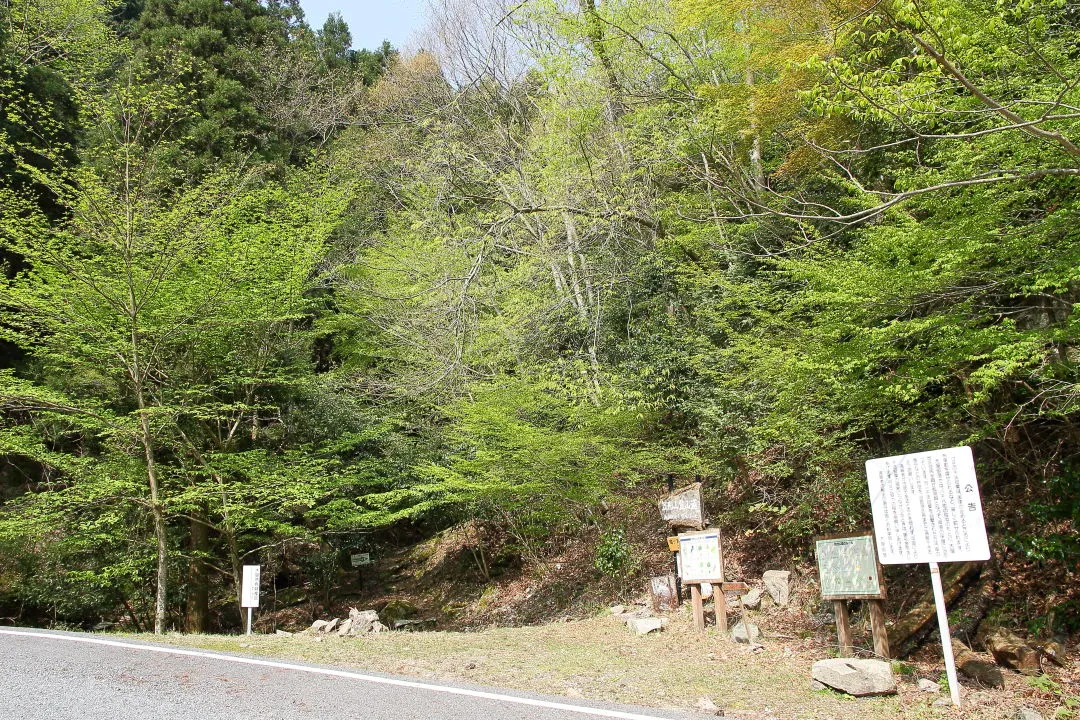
927, 509
249, 593
359, 559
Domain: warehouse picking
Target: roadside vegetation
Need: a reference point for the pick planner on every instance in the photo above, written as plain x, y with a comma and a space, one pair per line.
269, 299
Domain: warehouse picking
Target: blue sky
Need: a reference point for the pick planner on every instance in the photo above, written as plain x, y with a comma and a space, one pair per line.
370, 21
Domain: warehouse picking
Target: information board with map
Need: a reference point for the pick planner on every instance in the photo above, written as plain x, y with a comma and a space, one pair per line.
700, 560
848, 568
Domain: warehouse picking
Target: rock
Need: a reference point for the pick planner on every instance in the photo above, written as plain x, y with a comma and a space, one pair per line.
329, 627
398, 610
752, 599
318, 626
644, 626
617, 609
362, 621
778, 585
1055, 652
344, 628
928, 686
815, 686
318, 639
1011, 651
426, 623
975, 667
943, 702
757, 648
283, 633
856, 677
632, 613
745, 632
378, 627
707, 706
1027, 714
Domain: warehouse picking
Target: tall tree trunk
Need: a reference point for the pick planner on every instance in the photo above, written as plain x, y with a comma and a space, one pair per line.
197, 605
756, 166
597, 41
158, 511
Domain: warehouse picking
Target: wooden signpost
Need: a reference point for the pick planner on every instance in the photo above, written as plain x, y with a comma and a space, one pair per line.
701, 561
927, 509
848, 569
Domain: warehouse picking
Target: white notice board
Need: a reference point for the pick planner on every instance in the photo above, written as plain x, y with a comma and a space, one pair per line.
927, 507
249, 595
848, 568
699, 557
359, 559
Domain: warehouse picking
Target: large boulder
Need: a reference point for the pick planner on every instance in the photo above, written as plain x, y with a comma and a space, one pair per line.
361, 621
398, 610
856, 677
778, 585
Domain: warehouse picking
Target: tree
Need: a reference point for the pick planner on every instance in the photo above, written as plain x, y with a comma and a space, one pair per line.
118, 299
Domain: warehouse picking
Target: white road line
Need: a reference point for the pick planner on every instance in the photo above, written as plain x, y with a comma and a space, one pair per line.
341, 673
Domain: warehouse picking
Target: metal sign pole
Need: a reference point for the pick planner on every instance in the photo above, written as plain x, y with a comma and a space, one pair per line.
946, 636
249, 621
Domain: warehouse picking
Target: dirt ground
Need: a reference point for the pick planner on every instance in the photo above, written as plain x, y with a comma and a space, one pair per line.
597, 658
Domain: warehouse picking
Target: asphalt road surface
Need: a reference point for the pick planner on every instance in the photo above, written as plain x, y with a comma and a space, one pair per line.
50, 675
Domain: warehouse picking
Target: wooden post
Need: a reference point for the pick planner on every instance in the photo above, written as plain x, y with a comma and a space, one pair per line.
699, 610
877, 627
720, 603
843, 628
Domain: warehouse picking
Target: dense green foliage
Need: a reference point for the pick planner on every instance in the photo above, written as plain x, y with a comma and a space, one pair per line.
269, 293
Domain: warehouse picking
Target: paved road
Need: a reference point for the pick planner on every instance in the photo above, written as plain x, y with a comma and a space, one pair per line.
49, 675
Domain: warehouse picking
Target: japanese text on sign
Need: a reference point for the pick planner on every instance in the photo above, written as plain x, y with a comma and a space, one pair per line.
927, 507
848, 568
699, 557
249, 595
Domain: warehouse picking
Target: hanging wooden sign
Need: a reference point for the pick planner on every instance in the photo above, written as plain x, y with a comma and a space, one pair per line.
684, 508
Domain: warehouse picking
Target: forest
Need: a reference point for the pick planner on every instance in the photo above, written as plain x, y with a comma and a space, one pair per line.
267, 298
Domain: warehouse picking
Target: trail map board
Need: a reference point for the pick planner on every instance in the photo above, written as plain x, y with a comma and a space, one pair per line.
848, 568
700, 560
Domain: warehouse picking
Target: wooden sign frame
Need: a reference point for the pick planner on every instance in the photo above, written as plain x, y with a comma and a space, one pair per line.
875, 603
688, 536
880, 594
